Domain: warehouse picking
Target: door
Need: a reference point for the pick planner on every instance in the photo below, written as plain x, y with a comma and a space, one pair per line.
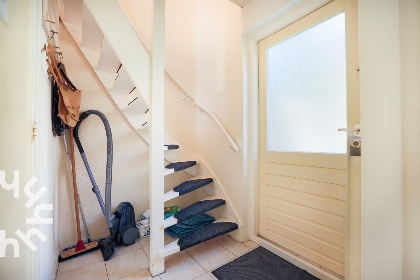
308, 88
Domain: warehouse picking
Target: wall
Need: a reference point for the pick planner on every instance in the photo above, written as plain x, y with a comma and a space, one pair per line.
410, 107
130, 165
380, 92
180, 60
390, 67
203, 54
256, 12
16, 72
219, 88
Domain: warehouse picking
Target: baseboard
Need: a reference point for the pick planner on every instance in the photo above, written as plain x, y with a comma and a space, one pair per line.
54, 274
312, 269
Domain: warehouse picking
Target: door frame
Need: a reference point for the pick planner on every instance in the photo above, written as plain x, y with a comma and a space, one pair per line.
278, 20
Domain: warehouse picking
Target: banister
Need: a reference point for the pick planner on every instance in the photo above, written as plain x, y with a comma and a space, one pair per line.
185, 94
233, 145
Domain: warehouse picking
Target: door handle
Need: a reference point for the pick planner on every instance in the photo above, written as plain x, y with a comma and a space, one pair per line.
349, 129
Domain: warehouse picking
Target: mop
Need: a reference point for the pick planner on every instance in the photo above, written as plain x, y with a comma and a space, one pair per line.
80, 248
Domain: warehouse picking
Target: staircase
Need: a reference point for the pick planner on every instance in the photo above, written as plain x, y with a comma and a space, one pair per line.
123, 66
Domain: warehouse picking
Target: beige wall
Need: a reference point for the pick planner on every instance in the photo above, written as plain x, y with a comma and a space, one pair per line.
410, 85
16, 70
219, 88
256, 12
390, 67
131, 163
180, 60
203, 54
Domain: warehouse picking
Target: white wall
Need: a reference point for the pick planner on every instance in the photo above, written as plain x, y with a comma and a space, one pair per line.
390, 66
203, 54
410, 106
380, 92
16, 70
256, 12
219, 88
180, 60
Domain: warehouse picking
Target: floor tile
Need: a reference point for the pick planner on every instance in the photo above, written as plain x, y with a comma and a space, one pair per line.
208, 242
168, 236
80, 261
95, 271
145, 242
207, 276
233, 246
141, 275
126, 264
147, 251
211, 256
250, 244
183, 267
122, 249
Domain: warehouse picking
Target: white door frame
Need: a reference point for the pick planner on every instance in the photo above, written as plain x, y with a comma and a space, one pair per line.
280, 19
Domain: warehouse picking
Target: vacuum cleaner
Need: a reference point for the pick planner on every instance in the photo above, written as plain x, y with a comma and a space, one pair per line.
122, 222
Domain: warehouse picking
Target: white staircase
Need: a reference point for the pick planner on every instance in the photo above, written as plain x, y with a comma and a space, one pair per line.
105, 36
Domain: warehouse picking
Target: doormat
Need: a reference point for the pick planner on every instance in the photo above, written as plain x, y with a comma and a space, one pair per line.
261, 264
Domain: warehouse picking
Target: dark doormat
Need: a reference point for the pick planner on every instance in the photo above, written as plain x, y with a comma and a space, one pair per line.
261, 264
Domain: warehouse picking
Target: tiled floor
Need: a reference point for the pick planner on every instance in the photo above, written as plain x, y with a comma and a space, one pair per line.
132, 262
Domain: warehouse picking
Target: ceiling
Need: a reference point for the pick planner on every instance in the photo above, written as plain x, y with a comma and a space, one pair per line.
240, 3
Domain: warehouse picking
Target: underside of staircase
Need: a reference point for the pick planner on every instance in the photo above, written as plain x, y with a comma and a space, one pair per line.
105, 48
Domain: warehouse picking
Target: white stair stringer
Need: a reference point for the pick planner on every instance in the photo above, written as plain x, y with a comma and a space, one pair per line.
123, 40
217, 190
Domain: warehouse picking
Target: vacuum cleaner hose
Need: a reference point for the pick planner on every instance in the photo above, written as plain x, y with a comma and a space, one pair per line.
108, 183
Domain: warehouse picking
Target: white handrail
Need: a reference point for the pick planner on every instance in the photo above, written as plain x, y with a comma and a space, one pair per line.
233, 145
216, 120
185, 94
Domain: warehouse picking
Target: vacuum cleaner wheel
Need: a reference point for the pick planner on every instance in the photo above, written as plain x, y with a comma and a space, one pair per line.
130, 236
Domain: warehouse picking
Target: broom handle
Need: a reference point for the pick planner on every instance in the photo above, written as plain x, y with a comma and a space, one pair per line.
78, 196
76, 205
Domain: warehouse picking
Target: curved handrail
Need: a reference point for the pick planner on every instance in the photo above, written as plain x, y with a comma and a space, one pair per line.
233, 145
185, 94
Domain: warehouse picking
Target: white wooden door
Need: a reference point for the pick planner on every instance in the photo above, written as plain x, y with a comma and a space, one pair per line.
308, 88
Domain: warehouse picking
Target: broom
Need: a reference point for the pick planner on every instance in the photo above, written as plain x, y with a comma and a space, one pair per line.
80, 247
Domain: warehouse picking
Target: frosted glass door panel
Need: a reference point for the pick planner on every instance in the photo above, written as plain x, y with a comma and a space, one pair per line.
306, 90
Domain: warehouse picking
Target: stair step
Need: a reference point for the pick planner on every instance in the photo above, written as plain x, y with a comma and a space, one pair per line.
92, 36
187, 187
178, 166
91, 56
195, 209
198, 208
108, 62
75, 31
198, 236
171, 147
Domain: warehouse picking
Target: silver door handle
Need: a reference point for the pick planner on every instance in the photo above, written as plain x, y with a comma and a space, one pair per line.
349, 129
